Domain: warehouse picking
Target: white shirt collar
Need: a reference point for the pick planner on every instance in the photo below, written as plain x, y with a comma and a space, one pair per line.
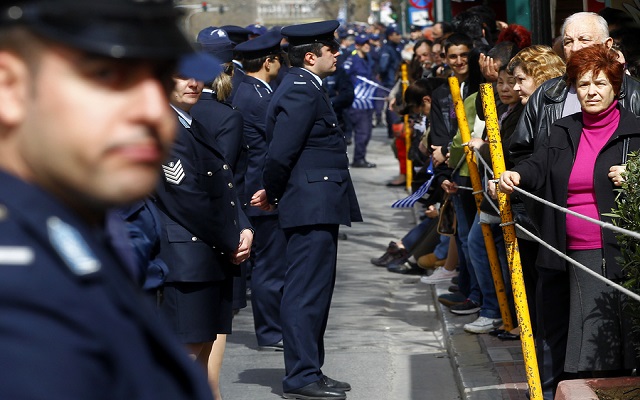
185, 116
265, 84
314, 75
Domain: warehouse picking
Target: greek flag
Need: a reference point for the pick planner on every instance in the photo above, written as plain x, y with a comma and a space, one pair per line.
364, 94
410, 200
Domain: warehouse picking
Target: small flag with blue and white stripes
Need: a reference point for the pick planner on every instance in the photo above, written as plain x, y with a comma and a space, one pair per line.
413, 198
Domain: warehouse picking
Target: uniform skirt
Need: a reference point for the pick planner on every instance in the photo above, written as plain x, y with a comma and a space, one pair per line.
599, 336
198, 311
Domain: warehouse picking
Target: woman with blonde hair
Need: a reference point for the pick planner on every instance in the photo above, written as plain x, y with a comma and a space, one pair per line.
532, 66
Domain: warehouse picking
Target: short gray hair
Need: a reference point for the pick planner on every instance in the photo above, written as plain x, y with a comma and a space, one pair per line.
601, 23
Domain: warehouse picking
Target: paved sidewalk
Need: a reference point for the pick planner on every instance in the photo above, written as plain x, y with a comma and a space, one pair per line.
387, 334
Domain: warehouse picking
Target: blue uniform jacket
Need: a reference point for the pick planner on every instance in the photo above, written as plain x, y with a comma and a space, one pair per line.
199, 207
225, 124
307, 169
252, 99
73, 325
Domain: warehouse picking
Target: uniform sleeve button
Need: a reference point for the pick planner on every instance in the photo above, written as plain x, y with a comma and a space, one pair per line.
209, 173
230, 185
326, 178
233, 204
225, 167
194, 239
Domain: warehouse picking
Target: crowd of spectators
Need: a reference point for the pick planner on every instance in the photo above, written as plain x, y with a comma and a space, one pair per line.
535, 89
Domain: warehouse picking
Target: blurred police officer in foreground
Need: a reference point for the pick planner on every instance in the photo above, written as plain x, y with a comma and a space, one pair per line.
262, 61
306, 176
84, 126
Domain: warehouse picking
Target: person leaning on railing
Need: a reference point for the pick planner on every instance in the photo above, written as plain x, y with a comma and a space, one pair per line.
578, 166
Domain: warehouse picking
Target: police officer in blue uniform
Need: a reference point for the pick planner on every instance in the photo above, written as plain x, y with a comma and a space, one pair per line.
262, 61
306, 176
224, 122
84, 127
238, 35
205, 233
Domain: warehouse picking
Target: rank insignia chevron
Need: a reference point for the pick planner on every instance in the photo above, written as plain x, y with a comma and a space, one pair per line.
174, 173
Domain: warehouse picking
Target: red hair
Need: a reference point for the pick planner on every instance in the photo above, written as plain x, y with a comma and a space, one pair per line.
596, 58
517, 34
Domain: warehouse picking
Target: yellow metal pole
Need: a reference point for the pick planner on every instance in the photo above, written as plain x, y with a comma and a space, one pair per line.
490, 244
511, 242
408, 130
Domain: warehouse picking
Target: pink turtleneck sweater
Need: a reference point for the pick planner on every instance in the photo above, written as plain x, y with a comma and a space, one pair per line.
598, 128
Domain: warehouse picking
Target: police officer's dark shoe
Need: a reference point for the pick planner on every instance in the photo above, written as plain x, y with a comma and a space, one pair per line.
363, 164
334, 384
315, 391
272, 347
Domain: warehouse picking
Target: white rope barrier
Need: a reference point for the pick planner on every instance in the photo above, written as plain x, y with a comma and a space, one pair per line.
602, 224
582, 267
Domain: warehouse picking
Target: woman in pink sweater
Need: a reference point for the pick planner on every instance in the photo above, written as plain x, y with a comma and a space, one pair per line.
578, 167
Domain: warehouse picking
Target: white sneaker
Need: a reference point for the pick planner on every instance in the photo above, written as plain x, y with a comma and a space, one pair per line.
440, 274
483, 325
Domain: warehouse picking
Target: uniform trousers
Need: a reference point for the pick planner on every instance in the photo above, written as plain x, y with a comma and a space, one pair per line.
308, 289
267, 278
362, 121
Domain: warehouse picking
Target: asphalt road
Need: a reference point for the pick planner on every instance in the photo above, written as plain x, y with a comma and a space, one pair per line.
384, 336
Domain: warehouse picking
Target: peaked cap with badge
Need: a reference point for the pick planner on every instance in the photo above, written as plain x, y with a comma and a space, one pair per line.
314, 32
114, 28
237, 34
216, 41
264, 45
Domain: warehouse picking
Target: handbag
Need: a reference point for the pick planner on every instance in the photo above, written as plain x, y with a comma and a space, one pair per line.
447, 218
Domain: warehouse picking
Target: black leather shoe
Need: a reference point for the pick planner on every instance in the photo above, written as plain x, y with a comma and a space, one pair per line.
363, 164
272, 347
508, 336
334, 384
315, 391
496, 332
393, 253
405, 268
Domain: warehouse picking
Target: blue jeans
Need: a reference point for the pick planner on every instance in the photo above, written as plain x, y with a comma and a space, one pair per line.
463, 205
481, 268
411, 239
442, 249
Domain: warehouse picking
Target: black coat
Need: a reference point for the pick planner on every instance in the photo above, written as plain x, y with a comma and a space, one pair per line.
548, 170
225, 122
252, 99
545, 106
307, 169
200, 210
70, 312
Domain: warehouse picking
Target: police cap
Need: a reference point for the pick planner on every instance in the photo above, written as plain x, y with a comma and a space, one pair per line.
362, 39
216, 42
264, 45
114, 28
314, 32
237, 34
199, 66
257, 29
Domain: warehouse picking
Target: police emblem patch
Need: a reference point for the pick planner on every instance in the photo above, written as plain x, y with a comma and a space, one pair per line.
173, 172
71, 247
